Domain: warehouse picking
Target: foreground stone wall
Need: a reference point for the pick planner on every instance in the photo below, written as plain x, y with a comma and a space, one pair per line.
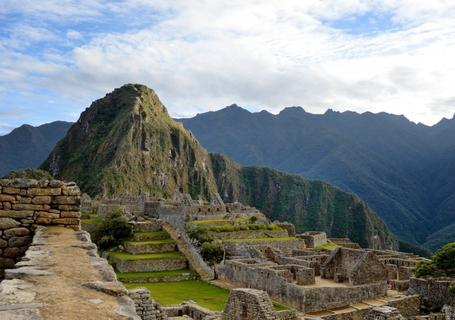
26, 204
61, 276
435, 292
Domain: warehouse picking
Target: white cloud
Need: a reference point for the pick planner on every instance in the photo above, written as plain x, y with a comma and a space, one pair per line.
270, 54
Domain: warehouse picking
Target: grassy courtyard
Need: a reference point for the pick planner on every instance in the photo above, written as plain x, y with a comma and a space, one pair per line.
168, 293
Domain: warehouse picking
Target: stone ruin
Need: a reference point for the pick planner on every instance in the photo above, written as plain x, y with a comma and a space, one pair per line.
25, 205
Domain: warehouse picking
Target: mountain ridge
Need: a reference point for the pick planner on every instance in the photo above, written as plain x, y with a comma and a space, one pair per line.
121, 145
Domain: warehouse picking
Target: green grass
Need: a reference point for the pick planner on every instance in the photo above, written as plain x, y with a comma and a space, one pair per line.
146, 256
88, 221
140, 243
279, 307
156, 274
258, 240
152, 235
327, 246
169, 293
218, 221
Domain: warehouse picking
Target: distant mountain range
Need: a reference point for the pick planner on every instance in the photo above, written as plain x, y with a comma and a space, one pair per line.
405, 171
28, 146
126, 143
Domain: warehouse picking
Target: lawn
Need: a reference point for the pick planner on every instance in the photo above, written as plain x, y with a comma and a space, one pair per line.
156, 274
163, 255
140, 243
254, 240
168, 293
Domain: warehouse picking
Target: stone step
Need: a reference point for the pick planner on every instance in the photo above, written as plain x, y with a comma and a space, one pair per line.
150, 235
125, 262
157, 276
154, 246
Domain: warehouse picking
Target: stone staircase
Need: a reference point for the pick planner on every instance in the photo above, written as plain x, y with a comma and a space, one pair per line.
150, 256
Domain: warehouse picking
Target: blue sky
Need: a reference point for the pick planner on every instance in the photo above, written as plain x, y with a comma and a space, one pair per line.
56, 56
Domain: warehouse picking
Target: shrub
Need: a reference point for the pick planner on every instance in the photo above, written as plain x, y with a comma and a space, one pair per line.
29, 173
112, 231
442, 264
452, 289
212, 252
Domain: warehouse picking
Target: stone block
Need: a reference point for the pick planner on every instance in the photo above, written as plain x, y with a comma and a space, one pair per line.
3, 243
6, 263
68, 207
44, 214
71, 191
25, 200
19, 214
44, 191
8, 223
11, 190
42, 200
43, 221
67, 200
6, 205
14, 252
19, 241
16, 232
70, 214
7, 197
66, 221
25, 206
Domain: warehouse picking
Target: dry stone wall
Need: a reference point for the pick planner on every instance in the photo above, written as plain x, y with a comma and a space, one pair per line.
26, 204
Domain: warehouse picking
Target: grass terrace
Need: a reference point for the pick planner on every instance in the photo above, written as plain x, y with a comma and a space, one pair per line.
146, 256
258, 240
151, 242
156, 274
151, 235
169, 293
218, 221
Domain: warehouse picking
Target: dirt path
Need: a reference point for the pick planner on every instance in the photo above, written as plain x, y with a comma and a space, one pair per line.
62, 292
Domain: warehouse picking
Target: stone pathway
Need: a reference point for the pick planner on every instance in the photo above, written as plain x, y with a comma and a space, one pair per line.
62, 278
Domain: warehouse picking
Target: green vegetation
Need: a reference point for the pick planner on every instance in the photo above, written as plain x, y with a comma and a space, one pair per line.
146, 256
404, 246
169, 293
29, 173
151, 235
218, 221
279, 307
112, 231
151, 242
155, 274
212, 252
254, 240
442, 263
327, 246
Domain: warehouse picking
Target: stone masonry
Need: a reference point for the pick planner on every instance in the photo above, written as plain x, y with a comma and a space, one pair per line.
26, 204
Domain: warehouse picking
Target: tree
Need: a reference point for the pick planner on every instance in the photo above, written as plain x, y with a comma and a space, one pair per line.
112, 231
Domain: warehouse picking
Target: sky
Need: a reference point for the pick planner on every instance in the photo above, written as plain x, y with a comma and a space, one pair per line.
57, 56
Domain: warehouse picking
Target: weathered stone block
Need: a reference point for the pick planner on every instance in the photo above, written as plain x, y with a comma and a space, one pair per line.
20, 214
43, 221
7, 197
71, 191
25, 200
3, 243
6, 263
25, 206
44, 214
16, 232
42, 200
68, 207
70, 214
6, 205
7, 223
67, 200
11, 190
19, 241
65, 221
13, 252
44, 191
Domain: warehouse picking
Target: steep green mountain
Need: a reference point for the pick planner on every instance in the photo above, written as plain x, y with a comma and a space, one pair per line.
29, 146
404, 171
126, 143
309, 205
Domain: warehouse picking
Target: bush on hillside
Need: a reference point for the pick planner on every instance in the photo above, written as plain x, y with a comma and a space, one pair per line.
29, 173
442, 263
212, 252
112, 231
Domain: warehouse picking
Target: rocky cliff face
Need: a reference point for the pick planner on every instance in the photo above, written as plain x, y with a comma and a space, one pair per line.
126, 143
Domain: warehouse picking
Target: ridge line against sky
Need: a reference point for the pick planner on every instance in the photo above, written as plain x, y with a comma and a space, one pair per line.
56, 56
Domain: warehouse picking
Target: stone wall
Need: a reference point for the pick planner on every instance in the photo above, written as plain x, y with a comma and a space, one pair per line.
435, 292
26, 204
146, 308
249, 304
314, 239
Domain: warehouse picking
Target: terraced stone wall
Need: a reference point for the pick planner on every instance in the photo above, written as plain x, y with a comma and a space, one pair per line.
26, 204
